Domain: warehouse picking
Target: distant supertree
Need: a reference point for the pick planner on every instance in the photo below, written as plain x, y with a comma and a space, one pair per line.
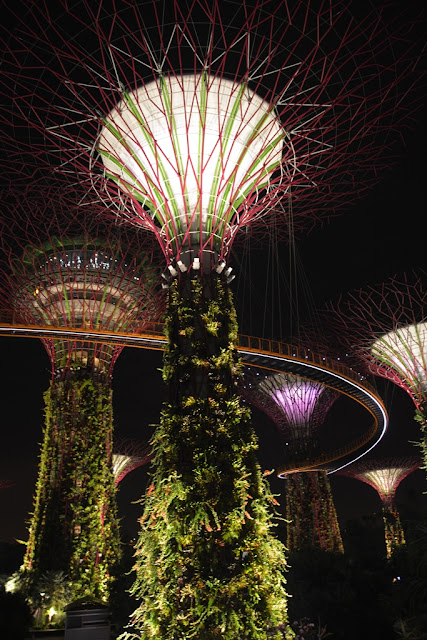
385, 476
129, 455
385, 326
299, 407
95, 280
193, 120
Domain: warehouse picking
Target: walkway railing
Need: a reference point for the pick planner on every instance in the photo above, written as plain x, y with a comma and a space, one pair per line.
283, 349
255, 351
154, 331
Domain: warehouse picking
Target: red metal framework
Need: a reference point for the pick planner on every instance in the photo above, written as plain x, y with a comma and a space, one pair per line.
385, 476
63, 271
386, 327
298, 406
129, 455
6, 484
315, 92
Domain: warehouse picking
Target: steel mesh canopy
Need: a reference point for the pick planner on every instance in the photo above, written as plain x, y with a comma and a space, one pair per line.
5, 484
100, 279
385, 326
405, 351
383, 475
129, 455
193, 149
305, 99
79, 287
297, 406
298, 400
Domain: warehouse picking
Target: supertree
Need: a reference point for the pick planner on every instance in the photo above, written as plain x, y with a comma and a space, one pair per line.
385, 476
299, 407
192, 121
385, 326
129, 455
59, 270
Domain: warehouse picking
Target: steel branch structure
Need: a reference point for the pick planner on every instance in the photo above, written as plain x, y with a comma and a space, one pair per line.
385, 476
96, 279
298, 407
385, 326
80, 282
196, 120
129, 455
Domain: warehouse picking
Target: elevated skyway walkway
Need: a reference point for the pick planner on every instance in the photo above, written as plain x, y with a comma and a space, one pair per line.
268, 356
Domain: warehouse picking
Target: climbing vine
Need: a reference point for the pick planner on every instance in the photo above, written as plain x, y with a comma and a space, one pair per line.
393, 530
420, 417
310, 513
74, 526
207, 563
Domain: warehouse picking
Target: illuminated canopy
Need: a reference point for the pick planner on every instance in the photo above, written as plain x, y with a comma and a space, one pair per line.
295, 396
195, 150
405, 350
129, 455
80, 288
385, 481
383, 476
84, 284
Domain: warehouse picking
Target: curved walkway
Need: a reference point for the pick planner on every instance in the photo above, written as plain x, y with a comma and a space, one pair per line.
268, 355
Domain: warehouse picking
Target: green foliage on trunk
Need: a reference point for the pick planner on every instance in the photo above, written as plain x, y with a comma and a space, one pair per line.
310, 513
207, 563
393, 530
74, 526
420, 417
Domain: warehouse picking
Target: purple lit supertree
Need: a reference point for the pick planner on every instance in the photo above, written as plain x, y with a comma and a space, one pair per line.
129, 455
385, 326
192, 121
60, 271
385, 476
299, 407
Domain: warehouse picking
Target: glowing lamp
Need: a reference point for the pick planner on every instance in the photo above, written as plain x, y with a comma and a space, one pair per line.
51, 612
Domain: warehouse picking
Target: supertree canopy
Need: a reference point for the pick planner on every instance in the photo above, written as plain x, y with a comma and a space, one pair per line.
385, 326
299, 407
199, 119
385, 476
52, 277
88, 283
193, 120
129, 455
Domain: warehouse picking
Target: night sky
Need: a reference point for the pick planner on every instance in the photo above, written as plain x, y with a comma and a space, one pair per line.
381, 235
